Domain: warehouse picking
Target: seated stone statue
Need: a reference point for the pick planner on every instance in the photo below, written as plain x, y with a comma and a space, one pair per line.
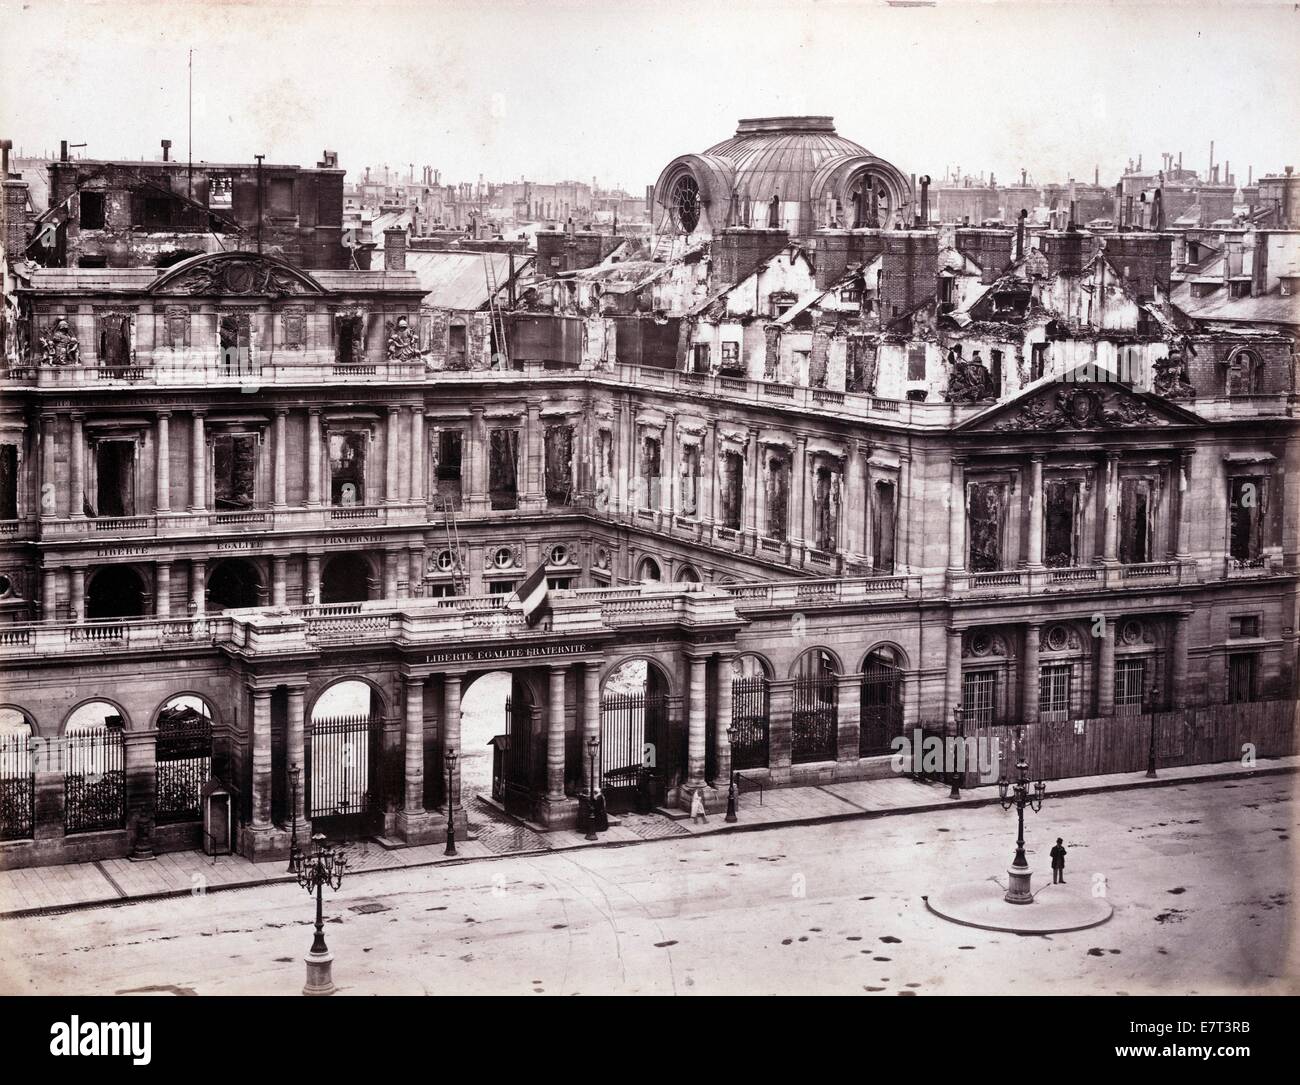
403, 344
968, 382
1170, 380
60, 347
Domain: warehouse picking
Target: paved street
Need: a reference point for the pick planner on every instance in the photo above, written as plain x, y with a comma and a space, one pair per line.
1200, 876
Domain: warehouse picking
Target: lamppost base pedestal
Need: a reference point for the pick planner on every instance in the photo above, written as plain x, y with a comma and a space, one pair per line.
1018, 891
984, 904
320, 977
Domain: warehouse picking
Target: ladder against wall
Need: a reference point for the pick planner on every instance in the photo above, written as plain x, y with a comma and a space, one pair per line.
458, 575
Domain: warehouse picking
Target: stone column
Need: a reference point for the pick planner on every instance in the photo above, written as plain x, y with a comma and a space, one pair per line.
1110, 542
391, 489
857, 497
708, 472
555, 735
77, 593
49, 507
848, 718
49, 593
1035, 555
721, 744
952, 673
261, 759
1177, 695
313, 457
475, 449
415, 575
799, 469
697, 721
1106, 670
198, 586
295, 753
198, 465
390, 574
163, 589
451, 733
753, 474
163, 464
1029, 672
413, 794
281, 438
590, 719
418, 494
279, 581
77, 463
139, 755
669, 478
311, 583
1183, 547
957, 516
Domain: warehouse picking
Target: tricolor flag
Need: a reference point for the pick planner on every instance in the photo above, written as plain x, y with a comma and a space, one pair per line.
530, 597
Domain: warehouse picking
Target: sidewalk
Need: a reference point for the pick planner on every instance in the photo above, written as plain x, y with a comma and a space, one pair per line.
116, 881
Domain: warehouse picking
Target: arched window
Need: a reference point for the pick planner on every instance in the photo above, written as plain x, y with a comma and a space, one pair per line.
647, 572
686, 574
94, 769
182, 758
882, 701
750, 713
636, 758
1245, 374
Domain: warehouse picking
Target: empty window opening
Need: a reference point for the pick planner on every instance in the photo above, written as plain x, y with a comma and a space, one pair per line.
883, 521
826, 509
115, 341
1245, 499
91, 213
995, 370
689, 493
650, 472
447, 473
1037, 361
700, 358
916, 363
221, 190
733, 489
456, 346
503, 468
985, 519
778, 497
115, 591
235, 584
559, 465
347, 468
234, 470
115, 475
862, 365
1135, 520
1060, 522
8, 482
349, 347
235, 335
731, 358
1245, 374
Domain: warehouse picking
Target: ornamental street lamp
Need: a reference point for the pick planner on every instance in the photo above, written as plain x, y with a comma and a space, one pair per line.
450, 758
1017, 793
1151, 734
958, 716
295, 852
591, 789
731, 774
323, 866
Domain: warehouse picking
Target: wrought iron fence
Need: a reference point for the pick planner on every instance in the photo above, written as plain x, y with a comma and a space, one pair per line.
344, 766
882, 709
17, 787
633, 745
751, 712
524, 757
814, 718
182, 765
94, 781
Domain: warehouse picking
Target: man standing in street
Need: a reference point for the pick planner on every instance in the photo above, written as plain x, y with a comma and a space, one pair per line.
1058, 862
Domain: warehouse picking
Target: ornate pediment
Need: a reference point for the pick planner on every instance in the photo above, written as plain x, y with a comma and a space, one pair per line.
1093, 405
235, 274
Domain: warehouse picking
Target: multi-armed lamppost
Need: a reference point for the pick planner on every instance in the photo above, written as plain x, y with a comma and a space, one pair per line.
731, 774
323, 866
1017, 793
450, 758
958, 716
591, 789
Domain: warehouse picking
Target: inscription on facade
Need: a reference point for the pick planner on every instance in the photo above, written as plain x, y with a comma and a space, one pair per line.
119, 551
530, 651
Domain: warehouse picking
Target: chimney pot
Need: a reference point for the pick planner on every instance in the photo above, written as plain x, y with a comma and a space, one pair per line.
166, 148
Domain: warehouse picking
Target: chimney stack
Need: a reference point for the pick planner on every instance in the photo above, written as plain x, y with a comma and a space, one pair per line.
167, 150
1020, 233
63, 150
394, 249
1024, 174
925, 200
5, 146
1096, 176
1180, 161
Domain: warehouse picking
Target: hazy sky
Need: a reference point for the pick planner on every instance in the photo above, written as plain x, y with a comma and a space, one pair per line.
565, 89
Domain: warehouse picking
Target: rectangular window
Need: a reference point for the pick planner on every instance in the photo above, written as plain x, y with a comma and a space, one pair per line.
1054, 692
234, 470
700, 358
559, 465
946, 283
1130, 686
995, 370
456, 347
234, 333
349, 341
115, 474
501, 587
802, 360
650, 472
1243, 625
1060, 523
347, 468
731, 358
447, 472
91, 210
1135, 520
733, 489
916, 363
8, 482
559, 583
114, 341
826, 510
778, 497
1242, 677
1037, 361
157, 213
503, 467
985, 518
979, 697
435, 590
861, 365
1245, 499
883, 520
689, 484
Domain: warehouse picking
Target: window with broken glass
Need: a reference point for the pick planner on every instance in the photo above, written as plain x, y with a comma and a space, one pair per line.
1245, 519
1136, 520
447, 470
347, 458
503, 465
985, 525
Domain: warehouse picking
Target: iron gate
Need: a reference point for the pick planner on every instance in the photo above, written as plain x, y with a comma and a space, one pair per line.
182, 764
633, 748
524, 760
17, 787
882, 708
751, 704
344, 775
94, 781
814, 718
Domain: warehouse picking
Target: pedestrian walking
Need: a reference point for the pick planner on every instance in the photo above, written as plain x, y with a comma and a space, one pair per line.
1058, 862
697, 807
